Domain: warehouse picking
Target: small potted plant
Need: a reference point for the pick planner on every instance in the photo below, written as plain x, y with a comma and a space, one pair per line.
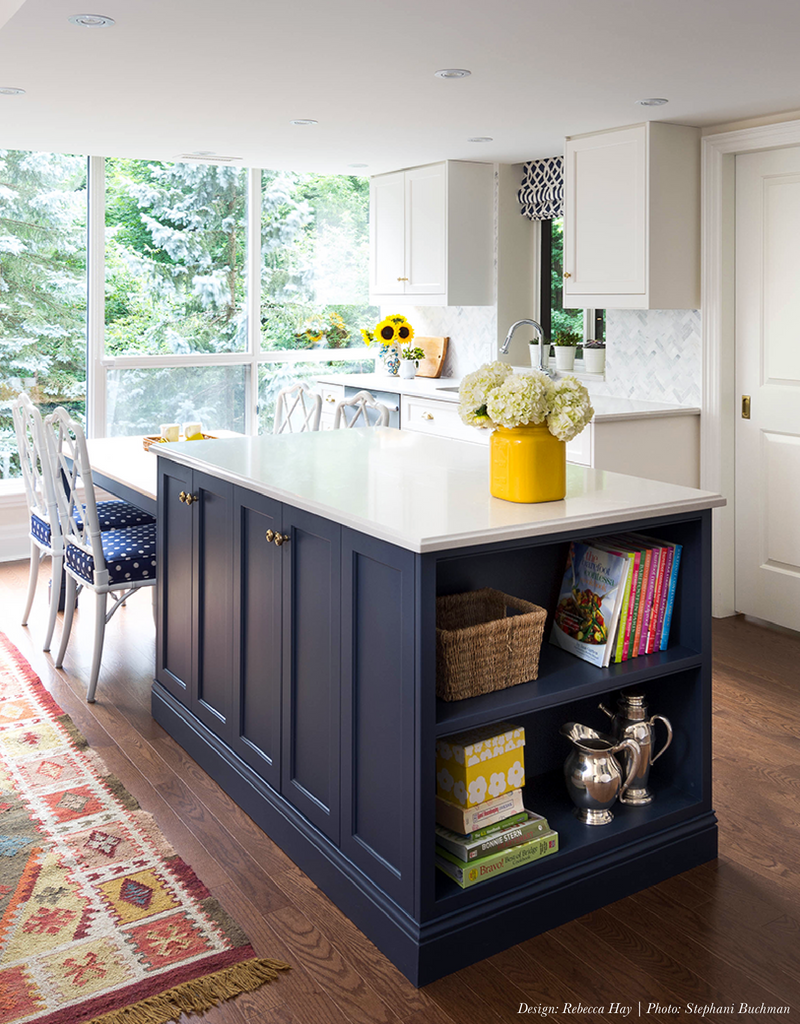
594, 356
410, 356
565, 343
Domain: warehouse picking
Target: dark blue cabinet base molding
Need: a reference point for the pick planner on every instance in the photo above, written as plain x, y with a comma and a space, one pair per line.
430, 950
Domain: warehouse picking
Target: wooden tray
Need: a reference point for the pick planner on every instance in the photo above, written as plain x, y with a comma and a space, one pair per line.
151, 439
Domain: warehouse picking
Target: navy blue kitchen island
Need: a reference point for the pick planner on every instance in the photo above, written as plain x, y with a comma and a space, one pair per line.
296, 663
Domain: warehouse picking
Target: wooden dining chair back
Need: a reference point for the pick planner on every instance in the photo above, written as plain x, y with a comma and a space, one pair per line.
297, 409
44, 529
362, 410
111, 561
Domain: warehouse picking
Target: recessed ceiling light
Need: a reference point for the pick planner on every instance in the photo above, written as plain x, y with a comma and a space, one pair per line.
452, 73
654, 101
304, 121
358, 165
92, 20
9, 90
481, 138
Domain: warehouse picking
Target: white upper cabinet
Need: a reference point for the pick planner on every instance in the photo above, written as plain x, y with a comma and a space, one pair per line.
432, 235
632, 218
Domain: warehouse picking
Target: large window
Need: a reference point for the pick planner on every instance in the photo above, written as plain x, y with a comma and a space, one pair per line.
589, 324
215, 286
43, 214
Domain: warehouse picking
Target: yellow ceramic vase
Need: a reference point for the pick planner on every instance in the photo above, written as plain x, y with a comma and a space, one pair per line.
528, 464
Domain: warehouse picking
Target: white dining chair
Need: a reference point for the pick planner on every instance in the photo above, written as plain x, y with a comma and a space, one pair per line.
44, 528
362, 410
115, 561
297, 409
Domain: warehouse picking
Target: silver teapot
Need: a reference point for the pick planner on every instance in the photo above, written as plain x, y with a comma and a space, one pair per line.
592, 773
632, 722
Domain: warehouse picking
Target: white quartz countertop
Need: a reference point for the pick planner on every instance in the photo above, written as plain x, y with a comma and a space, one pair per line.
420, 492
446, 388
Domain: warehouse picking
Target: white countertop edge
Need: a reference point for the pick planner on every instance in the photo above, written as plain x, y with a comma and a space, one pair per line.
456, 539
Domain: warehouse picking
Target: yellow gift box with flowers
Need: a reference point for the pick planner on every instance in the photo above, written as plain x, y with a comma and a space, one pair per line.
480, 764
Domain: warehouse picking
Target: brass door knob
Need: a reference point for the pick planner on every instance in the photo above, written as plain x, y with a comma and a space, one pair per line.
270, 535
567, 274
282, 539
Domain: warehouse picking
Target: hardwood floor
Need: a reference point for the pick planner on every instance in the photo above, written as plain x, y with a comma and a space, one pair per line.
725, 933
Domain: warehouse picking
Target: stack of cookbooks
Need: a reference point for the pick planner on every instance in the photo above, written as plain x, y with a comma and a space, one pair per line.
617, 598
478, 838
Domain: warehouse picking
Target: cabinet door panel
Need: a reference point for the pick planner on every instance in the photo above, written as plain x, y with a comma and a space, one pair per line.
213, 512
606, 223
311, 668
378, 707
257, 634
426, 231
175, 571
387, 227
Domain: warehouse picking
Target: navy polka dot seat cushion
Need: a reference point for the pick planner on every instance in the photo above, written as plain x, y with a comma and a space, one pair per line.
113, 515
130, 555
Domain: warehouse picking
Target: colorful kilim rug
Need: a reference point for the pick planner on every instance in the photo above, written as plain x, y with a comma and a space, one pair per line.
99, 919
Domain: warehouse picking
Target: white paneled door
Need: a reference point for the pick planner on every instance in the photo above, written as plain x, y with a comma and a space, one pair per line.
768, 371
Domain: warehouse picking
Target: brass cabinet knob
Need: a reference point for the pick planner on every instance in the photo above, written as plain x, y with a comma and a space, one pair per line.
190, 498
427, 416
567, 274
282, 539
402, 279
182, 496
270, 535
329, 398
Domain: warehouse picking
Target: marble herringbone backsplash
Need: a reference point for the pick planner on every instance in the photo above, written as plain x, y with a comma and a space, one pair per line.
654, 355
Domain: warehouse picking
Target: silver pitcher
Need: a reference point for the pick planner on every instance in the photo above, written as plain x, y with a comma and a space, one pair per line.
592, 773
631, 722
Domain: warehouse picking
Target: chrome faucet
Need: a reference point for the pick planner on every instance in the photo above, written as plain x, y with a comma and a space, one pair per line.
540, 336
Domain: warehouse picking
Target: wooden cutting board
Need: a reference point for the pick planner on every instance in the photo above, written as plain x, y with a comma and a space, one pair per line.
435, 350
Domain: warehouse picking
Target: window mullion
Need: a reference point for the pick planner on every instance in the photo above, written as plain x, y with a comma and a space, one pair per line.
253, 294
95, 305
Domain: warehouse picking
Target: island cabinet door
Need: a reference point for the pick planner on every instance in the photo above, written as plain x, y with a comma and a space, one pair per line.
256, 732
213, 589
378, 704
174, 636
194, 652
311, 553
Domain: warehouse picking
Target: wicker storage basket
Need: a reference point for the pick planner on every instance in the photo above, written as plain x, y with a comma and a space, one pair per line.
480, 648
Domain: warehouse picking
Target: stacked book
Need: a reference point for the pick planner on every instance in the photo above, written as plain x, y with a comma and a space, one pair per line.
617, 598
483, 828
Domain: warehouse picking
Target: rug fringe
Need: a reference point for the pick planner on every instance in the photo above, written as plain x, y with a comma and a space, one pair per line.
197, 996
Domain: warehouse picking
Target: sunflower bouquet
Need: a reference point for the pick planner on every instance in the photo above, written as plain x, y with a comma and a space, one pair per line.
495, 396
392, 330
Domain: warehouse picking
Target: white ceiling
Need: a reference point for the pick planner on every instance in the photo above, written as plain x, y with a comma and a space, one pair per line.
180, 76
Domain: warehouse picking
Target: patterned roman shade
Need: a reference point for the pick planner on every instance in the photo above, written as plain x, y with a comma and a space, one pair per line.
542, 192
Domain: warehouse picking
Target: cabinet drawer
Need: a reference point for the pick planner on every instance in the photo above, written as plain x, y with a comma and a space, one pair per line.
434, 416
331, 394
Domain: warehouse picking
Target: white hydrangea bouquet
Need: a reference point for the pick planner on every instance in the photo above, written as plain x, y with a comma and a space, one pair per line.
495, 396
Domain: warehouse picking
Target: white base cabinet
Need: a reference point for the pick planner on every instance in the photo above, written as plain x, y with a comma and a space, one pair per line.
632, 218
432, 235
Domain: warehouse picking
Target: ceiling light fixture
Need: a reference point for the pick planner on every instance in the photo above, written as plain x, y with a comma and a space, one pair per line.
9, 90
358, 165
208, 157
301, 121
452, 73
481, 138
91, 20
654, 101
